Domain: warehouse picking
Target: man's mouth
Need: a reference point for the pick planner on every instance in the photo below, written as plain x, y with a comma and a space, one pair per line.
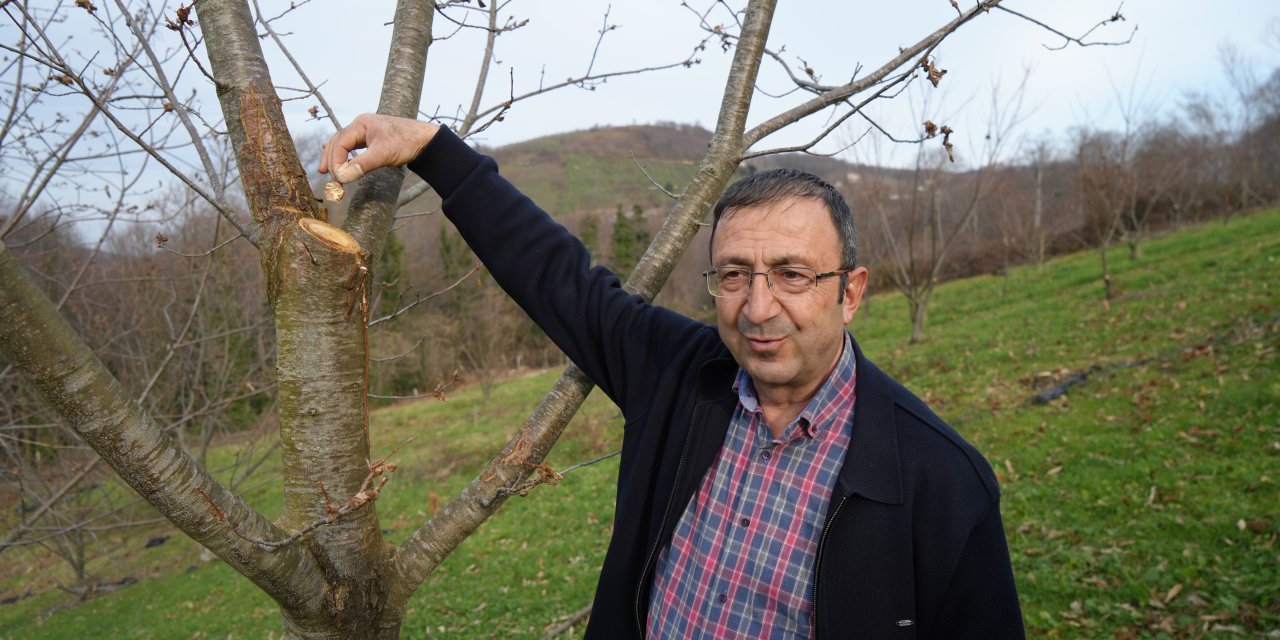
764, 344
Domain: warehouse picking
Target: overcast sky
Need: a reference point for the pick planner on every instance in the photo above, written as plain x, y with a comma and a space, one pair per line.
1175, 48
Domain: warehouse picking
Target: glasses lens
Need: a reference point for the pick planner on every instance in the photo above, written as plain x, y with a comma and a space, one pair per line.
728, 282
792, 281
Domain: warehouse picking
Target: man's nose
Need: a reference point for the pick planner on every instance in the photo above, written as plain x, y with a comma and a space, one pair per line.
761, 303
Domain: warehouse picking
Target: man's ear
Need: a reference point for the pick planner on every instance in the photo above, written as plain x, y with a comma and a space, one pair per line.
853, 290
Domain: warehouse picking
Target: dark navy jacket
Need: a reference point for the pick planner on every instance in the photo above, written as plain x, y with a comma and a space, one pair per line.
913, 546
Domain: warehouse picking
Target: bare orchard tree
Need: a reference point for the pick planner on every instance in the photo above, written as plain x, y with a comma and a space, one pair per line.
75, 213
924, 217
324, 560
1102, 188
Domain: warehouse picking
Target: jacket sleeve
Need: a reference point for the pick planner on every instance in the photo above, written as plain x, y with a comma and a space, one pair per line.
982, 600
615, 337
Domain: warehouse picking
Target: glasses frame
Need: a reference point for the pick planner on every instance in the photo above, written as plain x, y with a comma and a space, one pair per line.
768, 280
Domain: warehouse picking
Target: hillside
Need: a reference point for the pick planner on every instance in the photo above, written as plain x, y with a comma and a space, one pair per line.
595, 170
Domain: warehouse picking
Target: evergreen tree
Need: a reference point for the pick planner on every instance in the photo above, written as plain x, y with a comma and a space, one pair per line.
630, 239
590, 236
390, 274
640, 230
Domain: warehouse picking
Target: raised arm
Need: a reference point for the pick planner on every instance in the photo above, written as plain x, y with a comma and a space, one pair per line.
614, 336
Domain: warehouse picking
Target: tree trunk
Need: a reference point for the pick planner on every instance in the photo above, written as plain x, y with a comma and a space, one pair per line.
917, 307
1037, 211
1108, 293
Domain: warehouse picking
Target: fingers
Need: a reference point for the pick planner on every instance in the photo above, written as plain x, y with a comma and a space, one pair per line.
388, 141
338, 149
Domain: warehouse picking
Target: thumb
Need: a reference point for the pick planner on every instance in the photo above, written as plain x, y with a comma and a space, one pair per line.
374, 157
351, 170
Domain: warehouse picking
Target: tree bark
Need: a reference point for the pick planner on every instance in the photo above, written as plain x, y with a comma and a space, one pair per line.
317, 284
373, 200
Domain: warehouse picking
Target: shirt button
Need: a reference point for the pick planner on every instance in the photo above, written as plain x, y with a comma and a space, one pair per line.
722, 598
746, 522
765, 455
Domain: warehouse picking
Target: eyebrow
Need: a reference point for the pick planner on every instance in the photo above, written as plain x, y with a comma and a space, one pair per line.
784, 260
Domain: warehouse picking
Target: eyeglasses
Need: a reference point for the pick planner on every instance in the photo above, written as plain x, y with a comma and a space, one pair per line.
784, 282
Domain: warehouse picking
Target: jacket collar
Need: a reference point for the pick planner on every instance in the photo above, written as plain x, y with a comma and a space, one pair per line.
872, 467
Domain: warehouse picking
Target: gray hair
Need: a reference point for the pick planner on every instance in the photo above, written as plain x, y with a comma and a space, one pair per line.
775, 185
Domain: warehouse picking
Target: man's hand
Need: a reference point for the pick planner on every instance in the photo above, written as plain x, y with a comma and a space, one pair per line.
388, 142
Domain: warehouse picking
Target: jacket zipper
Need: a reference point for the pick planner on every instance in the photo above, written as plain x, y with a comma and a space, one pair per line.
817, 566
666, 513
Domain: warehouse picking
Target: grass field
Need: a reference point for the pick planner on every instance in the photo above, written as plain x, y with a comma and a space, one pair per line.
1144, 503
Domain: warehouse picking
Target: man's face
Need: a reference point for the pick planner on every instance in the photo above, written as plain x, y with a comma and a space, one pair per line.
789, 346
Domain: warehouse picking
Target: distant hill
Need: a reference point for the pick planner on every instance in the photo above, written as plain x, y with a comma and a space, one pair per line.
595, 170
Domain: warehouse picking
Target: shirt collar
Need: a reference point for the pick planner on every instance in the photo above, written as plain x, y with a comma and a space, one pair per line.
837, 383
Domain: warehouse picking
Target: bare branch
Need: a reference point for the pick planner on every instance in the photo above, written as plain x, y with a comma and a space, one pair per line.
650, 178
101, 106
486, 61
367, 493
586, 81
1080, 39
839, 94
413, 193
423, 299
216, 180
547, 475
605, 28
312, 88
202, 253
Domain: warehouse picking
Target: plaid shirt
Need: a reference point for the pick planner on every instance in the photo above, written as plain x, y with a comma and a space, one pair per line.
740, 563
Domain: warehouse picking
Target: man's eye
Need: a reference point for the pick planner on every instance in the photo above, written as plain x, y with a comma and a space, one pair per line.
791, 275
733, 275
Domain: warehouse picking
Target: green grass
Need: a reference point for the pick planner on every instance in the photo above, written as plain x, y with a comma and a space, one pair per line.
1144, 504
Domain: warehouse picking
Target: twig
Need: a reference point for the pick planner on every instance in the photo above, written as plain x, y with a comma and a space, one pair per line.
566, 623
202, 254
401, 354
421, 300
605, 28
547, 475
1079, 40
363, 496
311, 86
651, 180
437, 392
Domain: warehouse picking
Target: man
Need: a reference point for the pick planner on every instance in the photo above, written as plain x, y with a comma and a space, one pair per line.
773, 483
